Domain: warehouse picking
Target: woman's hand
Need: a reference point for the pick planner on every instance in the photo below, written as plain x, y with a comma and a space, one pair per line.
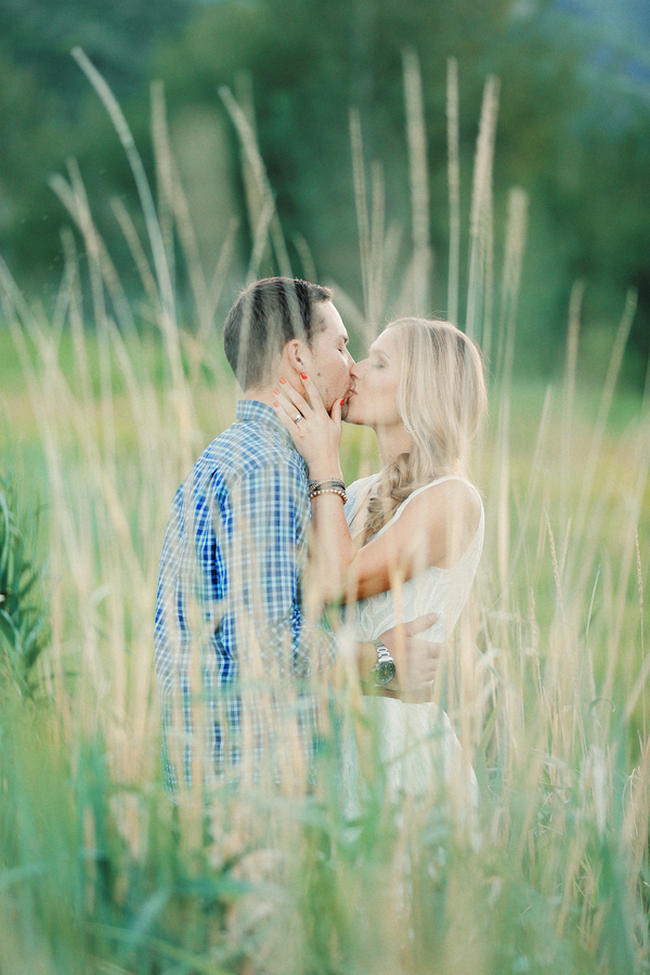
315, 432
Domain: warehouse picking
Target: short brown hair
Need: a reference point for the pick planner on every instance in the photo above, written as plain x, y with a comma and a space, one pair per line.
267, 315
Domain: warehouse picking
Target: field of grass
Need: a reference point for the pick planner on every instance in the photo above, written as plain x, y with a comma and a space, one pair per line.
546, 682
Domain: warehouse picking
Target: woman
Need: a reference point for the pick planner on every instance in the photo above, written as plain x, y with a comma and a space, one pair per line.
409, 539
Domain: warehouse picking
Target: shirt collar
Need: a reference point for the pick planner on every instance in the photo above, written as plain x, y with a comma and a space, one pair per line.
251, 410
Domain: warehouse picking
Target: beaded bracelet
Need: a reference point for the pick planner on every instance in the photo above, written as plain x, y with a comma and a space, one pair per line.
328, 490
331, 483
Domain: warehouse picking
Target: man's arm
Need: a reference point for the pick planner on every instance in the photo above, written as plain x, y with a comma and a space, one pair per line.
416, 660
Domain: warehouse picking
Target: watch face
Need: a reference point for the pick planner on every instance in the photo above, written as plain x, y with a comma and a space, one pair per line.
384, 671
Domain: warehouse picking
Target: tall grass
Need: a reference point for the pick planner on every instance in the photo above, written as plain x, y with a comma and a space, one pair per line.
545, 683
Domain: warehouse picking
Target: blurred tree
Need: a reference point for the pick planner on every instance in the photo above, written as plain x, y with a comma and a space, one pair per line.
297, 66
309, 62
31, 124
117, 37
47, 112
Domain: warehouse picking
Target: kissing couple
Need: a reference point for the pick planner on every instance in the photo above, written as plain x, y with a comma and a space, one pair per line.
264, 536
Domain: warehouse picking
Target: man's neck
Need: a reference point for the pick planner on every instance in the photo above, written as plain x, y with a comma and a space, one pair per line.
265, 394
260, 395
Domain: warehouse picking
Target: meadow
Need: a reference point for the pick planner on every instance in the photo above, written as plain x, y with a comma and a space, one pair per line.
106, 400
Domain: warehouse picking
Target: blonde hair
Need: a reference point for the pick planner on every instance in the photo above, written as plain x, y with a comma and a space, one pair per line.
441, 399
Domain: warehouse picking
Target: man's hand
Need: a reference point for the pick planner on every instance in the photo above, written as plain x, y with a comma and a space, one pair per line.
416, 659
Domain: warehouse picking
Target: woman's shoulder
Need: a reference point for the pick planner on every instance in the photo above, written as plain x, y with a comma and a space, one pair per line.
449, 513
446, 504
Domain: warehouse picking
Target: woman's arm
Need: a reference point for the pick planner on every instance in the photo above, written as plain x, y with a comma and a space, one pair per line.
317, 436
433, 528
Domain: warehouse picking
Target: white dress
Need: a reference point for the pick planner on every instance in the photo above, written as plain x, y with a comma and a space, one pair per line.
419, 750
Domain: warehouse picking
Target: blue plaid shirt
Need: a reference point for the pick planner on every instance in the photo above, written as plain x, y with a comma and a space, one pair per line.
234, 650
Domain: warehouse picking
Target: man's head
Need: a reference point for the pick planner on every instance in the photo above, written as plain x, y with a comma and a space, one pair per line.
285, 326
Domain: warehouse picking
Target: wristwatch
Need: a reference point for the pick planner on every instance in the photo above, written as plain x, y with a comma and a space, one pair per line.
384, 669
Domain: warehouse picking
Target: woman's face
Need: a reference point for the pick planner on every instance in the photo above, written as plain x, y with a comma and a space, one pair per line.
375, 380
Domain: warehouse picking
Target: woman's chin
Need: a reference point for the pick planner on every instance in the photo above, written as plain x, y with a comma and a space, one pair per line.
352, 414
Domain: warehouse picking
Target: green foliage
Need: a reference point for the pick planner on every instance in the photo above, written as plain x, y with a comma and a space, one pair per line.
75, 890
47, 114
24, 627
118, 39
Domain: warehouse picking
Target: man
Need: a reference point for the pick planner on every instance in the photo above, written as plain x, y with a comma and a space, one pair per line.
236, 653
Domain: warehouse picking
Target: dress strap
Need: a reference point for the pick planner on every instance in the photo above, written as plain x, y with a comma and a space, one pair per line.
425, 487
441, 480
